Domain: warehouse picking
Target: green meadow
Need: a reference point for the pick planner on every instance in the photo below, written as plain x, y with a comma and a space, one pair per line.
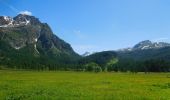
58, 85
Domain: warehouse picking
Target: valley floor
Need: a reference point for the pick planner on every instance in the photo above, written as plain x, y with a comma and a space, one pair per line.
34, 85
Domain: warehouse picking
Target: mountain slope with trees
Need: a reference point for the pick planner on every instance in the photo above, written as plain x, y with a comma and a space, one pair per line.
27, 43
145, 56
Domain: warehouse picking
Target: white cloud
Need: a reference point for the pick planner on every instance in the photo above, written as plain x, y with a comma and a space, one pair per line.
26, 13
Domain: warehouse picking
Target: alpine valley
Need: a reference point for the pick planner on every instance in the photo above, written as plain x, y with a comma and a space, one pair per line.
27, 43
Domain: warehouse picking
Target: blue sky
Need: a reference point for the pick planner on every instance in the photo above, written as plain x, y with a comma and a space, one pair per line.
97, 25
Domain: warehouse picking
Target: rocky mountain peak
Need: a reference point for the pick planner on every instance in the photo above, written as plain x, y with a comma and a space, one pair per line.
143, 45
26, 19
19, 20
5, 20
150, 45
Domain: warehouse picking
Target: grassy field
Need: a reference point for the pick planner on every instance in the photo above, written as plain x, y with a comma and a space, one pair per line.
32, 85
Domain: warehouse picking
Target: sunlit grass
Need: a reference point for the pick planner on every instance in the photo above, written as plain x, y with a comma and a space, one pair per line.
33, 85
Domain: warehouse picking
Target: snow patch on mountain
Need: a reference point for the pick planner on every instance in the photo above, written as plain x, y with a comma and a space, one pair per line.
146, 45
6, 21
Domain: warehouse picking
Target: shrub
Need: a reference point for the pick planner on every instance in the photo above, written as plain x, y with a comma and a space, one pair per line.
98, 69
93, 67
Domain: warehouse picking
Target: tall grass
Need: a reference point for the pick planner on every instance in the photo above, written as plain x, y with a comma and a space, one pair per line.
32, 85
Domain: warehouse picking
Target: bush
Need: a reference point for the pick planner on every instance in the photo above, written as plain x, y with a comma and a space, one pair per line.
98, 69
93, 67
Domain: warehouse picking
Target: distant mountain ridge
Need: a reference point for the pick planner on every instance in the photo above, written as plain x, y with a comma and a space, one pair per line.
146, 50
143, 50
145, 56
147, 44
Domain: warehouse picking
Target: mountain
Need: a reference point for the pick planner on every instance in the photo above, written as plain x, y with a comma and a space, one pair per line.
100, 58
150, 45
147, 50
144, 45
25, 40
146, 56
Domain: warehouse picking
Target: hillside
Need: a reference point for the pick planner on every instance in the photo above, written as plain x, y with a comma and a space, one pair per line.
147, 50
27, 42
145, 56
